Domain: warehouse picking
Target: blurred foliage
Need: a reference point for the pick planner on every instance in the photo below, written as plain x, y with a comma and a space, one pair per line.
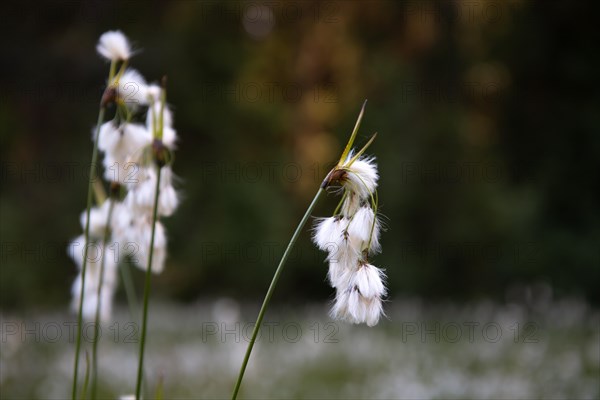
488, 145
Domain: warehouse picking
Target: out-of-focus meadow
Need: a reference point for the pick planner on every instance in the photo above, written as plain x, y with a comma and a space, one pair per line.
479, 350
488, 150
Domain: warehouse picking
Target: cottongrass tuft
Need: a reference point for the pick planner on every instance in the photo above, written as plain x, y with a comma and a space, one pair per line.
349, 237
127, 224
114, 46
124, 145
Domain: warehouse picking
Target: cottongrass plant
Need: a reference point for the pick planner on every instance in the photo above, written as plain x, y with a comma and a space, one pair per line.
136, 160
350, 236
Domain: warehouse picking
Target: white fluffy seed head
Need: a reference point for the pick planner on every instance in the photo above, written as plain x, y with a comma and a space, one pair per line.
134, 235
361, 177
357, 307
118, 170
76, 250
168, 201
361, 224
90, 300
137, 137
98, 257
114, 46
109, 136
169, 137
351, 307
122, 224
98, 219
351, 204
348, 238
153, 116
140, 198
123, 153
358, 295
158, 260
339, 311
132, 230
368, 280
95, 253
374, 311
327, 231
142, 237
340, 273
132, 88
154, 93
167, 177
122, 146
364, 228
330, 235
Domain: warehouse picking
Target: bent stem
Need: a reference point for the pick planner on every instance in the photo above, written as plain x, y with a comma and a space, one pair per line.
269, 294
99, 303
86, 379
140, 373
85, 250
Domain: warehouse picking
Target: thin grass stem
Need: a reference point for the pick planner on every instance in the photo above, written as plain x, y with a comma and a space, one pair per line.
99, 303
140, 373
269, 294
86, 379
132, 303
130, 291
85, 251
339, 206
87, 235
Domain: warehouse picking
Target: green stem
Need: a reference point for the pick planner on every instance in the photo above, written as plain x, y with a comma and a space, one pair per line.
86, 379
132, 303
99, 303
129, 290
337, 209
140, 373
111, 73
269, 294
87, 236
85, 250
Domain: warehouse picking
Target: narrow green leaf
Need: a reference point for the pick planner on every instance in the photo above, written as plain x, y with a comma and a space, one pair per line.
360, 153
353, 136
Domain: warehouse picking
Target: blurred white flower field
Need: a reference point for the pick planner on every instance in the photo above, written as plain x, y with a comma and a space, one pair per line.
422, 351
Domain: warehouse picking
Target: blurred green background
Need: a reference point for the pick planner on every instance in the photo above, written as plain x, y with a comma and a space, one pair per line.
488, 146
